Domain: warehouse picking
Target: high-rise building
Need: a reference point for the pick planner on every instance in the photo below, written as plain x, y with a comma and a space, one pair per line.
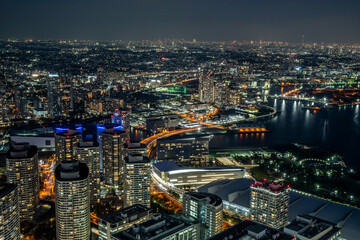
121, 220
206, 89
192, 151
221, 94
113, 153
89, 152
22, 169
72, 201
9, 212
206, 208
159, 227
53, 95
66, 142
136, 180
269, 203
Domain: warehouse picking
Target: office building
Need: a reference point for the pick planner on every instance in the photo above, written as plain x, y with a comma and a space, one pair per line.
22, 169
269, 203
159, 227
249, 230
173, 175
89, 152
121, 220
66, 142
306, 227
186, 151
113, 153
135, 148
207, 209
206, 89
221, 94
9, 212
72, 201
136, 180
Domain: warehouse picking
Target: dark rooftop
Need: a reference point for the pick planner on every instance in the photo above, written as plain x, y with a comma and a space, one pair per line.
156, 228
242, 229
71, 171
21, 150
135, 211
211, 199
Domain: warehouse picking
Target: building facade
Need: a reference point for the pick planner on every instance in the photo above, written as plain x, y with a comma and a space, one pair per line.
187, 151
22, 169
136, 180
113, 153
89, 152
66, 142
207, 209
72, 201
269, 203
9, 212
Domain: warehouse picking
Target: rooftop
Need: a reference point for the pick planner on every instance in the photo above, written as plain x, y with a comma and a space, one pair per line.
137, 158
211, 199
71, 171
156, 228
21, 150
171, 167
132, 213
309, 227
248, 228
238, 192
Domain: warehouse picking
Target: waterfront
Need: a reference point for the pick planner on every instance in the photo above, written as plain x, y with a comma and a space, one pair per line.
336, 129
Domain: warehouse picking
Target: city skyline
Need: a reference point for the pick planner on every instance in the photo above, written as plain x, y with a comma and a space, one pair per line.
287, 21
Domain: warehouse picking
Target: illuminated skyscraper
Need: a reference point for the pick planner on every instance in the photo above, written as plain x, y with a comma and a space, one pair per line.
113, 154
72, 201
9, 212
137, 180
53, 95
206, 89
207, 208
88, 152
66, 142
221, 94
269, 203
22, 169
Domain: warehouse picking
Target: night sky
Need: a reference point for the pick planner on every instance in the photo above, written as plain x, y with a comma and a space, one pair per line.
209, 20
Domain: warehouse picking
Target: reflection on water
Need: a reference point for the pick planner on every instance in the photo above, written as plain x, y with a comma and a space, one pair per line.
337, 129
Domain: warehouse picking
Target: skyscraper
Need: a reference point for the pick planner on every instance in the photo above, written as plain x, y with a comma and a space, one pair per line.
22, 168
66, 142
269, 203
136, 180
113, 157
206, 88
88, 152
9, 212
72, 201
53, 95
207, 208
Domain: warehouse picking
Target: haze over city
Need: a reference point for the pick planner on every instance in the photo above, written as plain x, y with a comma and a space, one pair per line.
211, 20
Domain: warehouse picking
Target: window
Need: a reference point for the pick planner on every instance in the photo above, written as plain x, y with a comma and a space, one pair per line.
47, 142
